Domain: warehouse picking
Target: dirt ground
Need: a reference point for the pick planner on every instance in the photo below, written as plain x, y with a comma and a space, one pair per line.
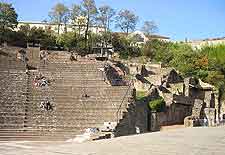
171, 127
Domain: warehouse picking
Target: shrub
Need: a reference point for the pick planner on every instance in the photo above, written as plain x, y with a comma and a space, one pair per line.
140, 95
67, 40
157, 105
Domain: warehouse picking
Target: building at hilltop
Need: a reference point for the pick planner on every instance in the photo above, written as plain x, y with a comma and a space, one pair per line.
209, 41
54, 27
140, 38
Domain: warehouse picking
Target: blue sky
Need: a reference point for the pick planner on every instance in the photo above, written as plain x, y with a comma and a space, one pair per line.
178, 19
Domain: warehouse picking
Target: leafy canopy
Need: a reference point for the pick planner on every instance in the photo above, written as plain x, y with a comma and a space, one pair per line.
126, 20
8, 16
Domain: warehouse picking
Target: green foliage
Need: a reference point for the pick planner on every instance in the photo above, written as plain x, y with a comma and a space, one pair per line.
106, 14
126, 20
207, 63
157, 105
48, 41
123, 45
158, 50
8, 21
8, 16
67, 40
185, 60
215, 56
140, 95
59, 14
149, 27
90, 11
215, 78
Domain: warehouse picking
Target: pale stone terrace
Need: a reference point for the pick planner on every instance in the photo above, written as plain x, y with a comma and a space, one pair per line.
187, 141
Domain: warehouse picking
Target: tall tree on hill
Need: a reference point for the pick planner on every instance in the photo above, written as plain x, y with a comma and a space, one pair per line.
90, 12
77, 17
8, 19
126, 20
106, 14
149, 27
59, 14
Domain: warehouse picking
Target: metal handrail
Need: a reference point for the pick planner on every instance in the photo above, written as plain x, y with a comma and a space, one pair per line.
117, 113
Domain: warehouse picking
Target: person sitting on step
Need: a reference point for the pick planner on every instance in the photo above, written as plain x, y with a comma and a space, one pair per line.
85, 96
72, 57
48, 106
42, 105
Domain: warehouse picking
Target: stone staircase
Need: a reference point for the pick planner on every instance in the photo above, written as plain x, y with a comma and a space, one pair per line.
73, 112
13, 88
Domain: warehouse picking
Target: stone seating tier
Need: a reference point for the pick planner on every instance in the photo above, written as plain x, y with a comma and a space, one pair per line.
21, 115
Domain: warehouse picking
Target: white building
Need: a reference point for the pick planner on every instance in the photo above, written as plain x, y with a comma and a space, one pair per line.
54, 27
206, 42
141, 38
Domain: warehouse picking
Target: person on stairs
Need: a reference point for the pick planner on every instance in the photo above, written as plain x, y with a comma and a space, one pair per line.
73, 57
48, 106
43, 56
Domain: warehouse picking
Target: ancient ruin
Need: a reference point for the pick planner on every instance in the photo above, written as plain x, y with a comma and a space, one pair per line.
57, 99
189, 101
46, 95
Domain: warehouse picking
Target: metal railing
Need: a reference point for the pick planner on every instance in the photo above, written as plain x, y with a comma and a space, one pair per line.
119, 109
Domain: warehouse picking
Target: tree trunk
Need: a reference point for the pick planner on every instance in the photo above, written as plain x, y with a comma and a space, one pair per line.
65, 28
79, 29
58, 28
86, 33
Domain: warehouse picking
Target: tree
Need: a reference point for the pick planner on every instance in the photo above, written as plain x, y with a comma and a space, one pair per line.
8, 16
157, 105
123, 46
157, 50
8, 19
149, 27
90, 12
67, 40
25, 29
106, 14
126, 21
59, 14
77, 17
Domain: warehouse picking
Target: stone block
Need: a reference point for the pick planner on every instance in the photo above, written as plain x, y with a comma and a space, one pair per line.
210, 114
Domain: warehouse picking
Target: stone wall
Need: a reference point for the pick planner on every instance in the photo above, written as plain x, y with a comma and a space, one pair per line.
221, 113
174, 114
134, 121
210, 114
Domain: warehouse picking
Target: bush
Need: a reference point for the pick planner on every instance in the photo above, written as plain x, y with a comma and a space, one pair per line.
157, 105
140, 95
67, 40
123, 45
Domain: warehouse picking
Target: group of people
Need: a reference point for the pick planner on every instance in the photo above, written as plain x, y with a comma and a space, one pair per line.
46, 105
41, 81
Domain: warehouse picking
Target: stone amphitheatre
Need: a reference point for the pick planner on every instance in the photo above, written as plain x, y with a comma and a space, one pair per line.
62, 99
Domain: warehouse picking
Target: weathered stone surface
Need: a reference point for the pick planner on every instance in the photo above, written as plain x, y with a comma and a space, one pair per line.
197, 108
79, 96
174, 77
188, 141
210, 114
